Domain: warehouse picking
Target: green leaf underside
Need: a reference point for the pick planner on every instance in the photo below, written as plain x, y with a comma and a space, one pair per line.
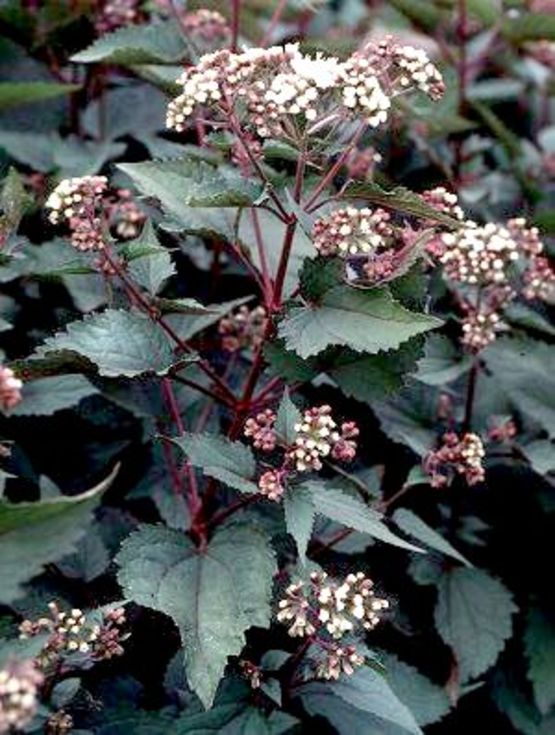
229, 586
119, 343
361, 703
414, 526
523, 368
194, 196
230, 462
400, 200
34, 534
363, 321
473, 615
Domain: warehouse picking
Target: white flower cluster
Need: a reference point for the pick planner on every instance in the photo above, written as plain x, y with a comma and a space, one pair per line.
351, 231
479, 255
331, 607
72, 197
362, 92
480, 329
458, 455
19, 687
315, 438
417, 70
281, 87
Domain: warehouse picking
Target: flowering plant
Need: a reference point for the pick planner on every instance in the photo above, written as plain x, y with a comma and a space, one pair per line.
275, 395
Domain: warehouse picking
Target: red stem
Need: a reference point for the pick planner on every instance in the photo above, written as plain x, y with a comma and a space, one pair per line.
235, 14
274, 20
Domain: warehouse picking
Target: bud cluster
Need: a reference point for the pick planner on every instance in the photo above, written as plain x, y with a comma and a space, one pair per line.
70, 633
327, 610
502, 431
10, 388
59, 723
260, 429
281, 88
77, 202
115, 14
207, 27
19, 689
243, 328
499, 262
457, 456
317, 436
125, 218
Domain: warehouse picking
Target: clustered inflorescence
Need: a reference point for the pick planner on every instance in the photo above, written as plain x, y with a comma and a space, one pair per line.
243, 328
317, 436
70, 633
457, 455
91, 212
20, 683
207, 28
114, 14
326, 611
285, 91
493, 264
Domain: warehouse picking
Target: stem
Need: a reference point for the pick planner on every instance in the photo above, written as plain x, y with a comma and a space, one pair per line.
289, 231
220, 517
157, 317
328, 178
470, 395
194, 501
360, 486
202, 389
274, 20
461, 32
256, 165
235, 14
266, 280
339, 536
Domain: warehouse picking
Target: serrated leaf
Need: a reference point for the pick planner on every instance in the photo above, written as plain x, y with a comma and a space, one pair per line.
195, 196
541, 455
361, 703
230, 462
158, 43
523, 369
353, 513
369, 321
15, 94
414, 526
45, 396
473, 615
400, 200
539, 642
13, 201
371, 377
288, 415
152, 269
299, 512
117, 342
213, 596
530, 27
427, 701
187, 325
442, 363
34, 534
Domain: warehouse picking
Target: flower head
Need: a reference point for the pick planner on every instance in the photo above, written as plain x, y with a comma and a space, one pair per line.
456, 456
